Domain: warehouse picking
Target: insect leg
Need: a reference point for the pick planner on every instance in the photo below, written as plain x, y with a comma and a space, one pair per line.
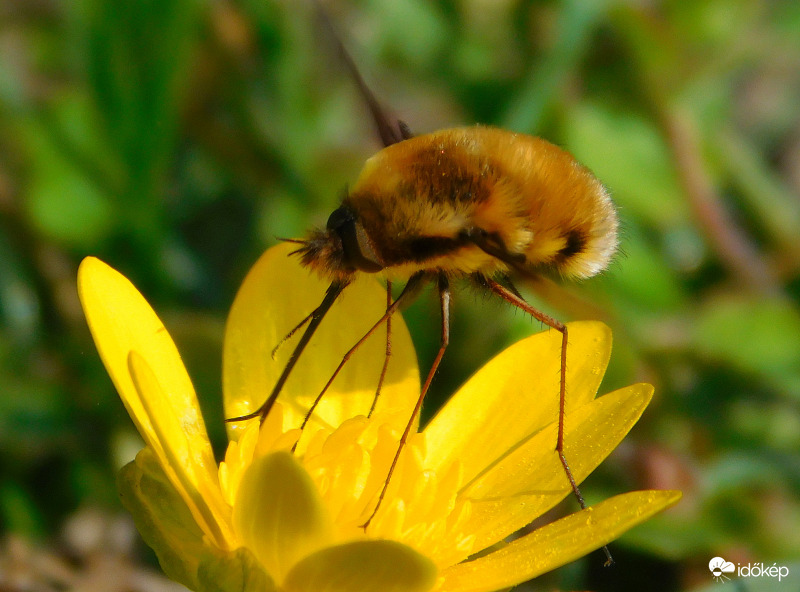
410, 288
444, 299
388, 349
333, 292
291, 333
515, 299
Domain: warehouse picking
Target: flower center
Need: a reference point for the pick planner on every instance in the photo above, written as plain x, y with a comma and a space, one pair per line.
349, 465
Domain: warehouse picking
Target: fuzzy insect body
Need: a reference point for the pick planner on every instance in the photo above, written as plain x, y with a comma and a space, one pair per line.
468, 200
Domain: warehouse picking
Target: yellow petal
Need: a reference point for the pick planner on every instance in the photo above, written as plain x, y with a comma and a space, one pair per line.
529, 479
200, 490
121, 321
516, 394
276, 295
278, 513
169, 528
363, 566
558, 543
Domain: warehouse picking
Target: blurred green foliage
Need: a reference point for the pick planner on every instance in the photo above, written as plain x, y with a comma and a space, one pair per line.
176, 139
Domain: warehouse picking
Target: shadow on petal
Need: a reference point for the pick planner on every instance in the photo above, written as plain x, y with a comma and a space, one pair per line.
363, 566
557, 544
274, 297
529, 479
516, 394
278, 513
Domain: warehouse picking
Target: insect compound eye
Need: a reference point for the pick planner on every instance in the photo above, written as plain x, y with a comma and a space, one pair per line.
356, 246
339, 217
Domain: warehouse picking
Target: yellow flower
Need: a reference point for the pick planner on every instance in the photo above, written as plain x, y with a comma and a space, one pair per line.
271, 519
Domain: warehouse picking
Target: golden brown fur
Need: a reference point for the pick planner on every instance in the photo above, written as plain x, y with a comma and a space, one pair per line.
422, 202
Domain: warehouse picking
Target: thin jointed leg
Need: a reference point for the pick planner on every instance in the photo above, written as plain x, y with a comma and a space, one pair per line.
409, 289
333, 292
513, 298
291, 333
444, 299
388, 349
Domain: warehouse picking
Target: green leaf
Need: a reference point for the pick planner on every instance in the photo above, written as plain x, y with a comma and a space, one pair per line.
67, 196
547, 76
643, 276
631, 158
139, 57
755, 335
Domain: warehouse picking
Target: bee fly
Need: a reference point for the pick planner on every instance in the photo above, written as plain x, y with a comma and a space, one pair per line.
479, 203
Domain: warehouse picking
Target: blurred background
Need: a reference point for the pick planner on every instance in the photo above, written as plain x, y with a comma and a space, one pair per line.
176, 139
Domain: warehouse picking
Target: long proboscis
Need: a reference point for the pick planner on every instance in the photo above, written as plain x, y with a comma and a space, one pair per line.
389, 133
333, 292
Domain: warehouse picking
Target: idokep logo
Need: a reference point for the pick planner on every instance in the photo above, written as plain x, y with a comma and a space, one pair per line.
719, 567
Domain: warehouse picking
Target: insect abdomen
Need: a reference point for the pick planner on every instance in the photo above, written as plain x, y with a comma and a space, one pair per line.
421, 199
